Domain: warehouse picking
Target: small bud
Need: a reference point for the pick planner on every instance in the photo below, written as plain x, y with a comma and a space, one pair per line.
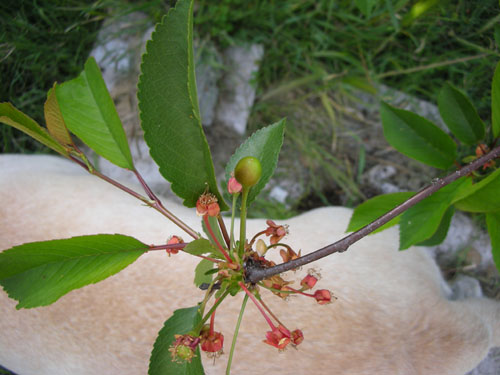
248, 171
261, 247
233, 186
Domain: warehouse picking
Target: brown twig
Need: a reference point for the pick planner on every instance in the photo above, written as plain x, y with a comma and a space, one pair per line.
255, 274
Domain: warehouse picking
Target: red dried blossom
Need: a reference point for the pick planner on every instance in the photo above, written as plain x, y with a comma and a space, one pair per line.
323, 296
212, 343
207, 205
481, 150
297, 337
309, 281
279, 337
183, 348
233, 186
277, 232
289, 254
172, 241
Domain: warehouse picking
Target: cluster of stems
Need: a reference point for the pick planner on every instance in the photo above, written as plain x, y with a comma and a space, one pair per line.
241, 268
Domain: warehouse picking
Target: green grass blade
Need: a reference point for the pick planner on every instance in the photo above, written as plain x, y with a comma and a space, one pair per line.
495, 102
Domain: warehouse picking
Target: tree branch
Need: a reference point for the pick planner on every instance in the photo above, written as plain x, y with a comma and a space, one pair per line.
255, 274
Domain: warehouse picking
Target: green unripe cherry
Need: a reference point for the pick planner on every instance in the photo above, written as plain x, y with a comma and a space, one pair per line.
248, 171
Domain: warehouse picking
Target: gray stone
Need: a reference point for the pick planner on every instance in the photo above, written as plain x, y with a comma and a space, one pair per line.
465, 287
237, 89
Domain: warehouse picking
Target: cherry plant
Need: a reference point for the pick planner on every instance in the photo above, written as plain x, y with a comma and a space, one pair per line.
39, 273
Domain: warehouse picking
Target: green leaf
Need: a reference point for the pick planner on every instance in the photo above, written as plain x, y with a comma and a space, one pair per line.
417, 138
90, 114
10, 115
460, 115
493, 224
373, 208
200, 272
169, 111
473, 188
160, 363
199, 247
265, 145
365, 6
39, 273
442, 230
495, 102
421, 221
485, 197
54, 120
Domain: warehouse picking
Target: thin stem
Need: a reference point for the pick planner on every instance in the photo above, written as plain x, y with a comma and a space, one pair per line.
243, 220
174, 246
254, 274
156, 204
212, 320
233, 213
210, 312
181, 246
270, 312
208, 294
254, 300
209, 228
255, 237
223, 229
235, 336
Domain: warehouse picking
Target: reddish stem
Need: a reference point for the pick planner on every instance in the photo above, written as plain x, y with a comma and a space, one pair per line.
255, 237
209, 228
212, 320
224, 231
254, 300
181, 246
155, 203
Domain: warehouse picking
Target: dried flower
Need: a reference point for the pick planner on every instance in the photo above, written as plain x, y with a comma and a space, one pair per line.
211, 342
183, 348
481, 150
277, 232
279, 337
297, 337
289, 254
323, 296
207, 204
172, 241
309, 281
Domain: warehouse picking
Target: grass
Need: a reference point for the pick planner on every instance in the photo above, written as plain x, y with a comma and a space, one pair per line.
315, 49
